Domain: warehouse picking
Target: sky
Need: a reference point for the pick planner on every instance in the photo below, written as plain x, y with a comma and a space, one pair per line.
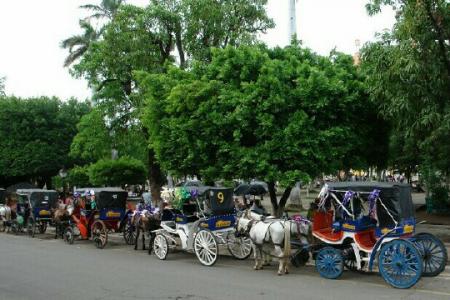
31, 31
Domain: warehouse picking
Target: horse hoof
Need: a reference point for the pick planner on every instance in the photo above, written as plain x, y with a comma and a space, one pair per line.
280, 273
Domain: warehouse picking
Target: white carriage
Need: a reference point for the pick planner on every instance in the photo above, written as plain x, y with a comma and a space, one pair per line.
203, 227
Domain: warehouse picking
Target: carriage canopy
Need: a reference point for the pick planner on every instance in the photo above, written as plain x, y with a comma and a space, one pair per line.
220, 200
108, 197
38, 197
396, 197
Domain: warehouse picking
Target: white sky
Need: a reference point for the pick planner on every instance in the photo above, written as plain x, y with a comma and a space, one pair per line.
31, 32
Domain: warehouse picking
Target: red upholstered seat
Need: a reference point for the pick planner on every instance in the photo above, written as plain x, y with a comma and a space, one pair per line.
323, 226
366, 239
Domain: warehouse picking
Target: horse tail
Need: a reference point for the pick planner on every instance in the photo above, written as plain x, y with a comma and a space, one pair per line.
287, 239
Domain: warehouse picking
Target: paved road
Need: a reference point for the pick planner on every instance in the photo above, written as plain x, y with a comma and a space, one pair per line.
43, 268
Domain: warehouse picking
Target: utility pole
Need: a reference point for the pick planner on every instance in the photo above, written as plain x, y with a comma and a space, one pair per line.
292, 20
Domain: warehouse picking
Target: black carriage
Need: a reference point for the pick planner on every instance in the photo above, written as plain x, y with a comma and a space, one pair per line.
34, 209
100, 212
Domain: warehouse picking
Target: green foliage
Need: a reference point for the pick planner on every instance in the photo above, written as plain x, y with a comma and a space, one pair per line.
439, 197
93, 140
79, 176
125, 170
35, 136
278, 115
408, 73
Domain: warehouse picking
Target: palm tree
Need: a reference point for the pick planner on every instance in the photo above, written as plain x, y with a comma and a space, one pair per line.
79, 44
106, 9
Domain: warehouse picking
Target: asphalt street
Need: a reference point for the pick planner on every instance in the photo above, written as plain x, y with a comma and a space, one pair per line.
44, 268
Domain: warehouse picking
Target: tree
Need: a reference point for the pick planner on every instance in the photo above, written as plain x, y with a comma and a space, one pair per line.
143, 39
107, 9
125, 170
79, 44
279, 115
408, 75
36, 135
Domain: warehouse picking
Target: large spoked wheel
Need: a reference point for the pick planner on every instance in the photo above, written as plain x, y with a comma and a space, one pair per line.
330, 262
31, 226
206, 247
239, 247
400, 263
433, 251
69, 236
42, 227
129, 234
99, 234
160, 246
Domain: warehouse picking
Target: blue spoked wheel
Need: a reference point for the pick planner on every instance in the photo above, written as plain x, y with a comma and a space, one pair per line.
433, 251
400, 263
330, 262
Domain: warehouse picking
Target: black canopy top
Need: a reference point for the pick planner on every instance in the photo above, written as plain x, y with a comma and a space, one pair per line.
255, 189
39, 197
220, 200
395, 196
108, 197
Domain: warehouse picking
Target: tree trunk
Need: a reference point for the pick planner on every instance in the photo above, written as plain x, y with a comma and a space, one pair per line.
278, 207
155, 177
273, 197
283, 201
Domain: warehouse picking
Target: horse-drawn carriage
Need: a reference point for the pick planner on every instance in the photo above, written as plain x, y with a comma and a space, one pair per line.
202, 227
358, 223
34, 210
97, 212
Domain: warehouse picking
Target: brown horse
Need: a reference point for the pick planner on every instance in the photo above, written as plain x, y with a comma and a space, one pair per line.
61, 216
145, 223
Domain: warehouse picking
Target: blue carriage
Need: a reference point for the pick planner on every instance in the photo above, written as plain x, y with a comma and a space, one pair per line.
359, 223
204, 224
34, 209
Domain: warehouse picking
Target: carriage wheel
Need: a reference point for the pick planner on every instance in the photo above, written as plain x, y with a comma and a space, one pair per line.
433, 251
31, 226
400, 263
129, 234
161, 246
42, 227
239, 247
350, 259
69, 236
99, 234
330, 262
206, 247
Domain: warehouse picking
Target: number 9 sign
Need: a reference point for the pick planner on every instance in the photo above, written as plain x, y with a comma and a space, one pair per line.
220, 197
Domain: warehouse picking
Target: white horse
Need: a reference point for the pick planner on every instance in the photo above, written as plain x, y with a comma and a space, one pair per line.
267, 236
5, 216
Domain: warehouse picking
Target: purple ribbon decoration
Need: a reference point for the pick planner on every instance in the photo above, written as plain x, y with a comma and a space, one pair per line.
373, 196
194, 194
346, 201
300, 219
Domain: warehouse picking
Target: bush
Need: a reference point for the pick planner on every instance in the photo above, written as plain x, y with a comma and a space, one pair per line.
125, 170
439, 198
78, 176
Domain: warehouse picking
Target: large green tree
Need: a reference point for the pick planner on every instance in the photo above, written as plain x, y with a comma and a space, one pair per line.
36, 135
280, 115
408, 72
144, 39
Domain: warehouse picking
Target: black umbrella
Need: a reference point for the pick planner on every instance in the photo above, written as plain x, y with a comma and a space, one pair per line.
255, 189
